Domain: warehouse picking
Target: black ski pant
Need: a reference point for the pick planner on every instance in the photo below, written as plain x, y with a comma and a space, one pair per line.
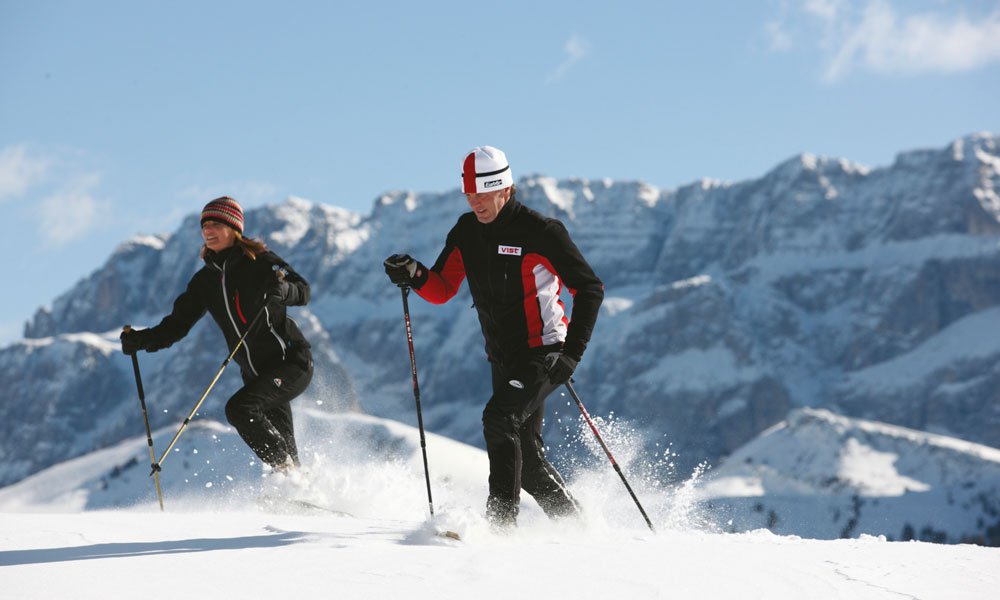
262, 414
512, 427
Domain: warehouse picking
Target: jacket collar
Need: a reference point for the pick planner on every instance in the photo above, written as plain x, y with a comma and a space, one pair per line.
505, 215
220, 258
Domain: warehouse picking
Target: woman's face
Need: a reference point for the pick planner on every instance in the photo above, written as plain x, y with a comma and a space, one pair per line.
217, 236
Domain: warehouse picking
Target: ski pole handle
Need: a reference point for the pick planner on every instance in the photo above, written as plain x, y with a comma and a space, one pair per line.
128, 329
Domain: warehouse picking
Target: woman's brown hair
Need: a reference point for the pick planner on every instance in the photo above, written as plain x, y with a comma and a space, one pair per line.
250, 246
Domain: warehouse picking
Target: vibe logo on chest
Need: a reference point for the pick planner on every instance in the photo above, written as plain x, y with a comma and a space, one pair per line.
509, 250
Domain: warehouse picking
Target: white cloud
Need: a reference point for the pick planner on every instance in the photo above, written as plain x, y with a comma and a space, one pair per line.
779, 36
575, 49
19, 171
72, 211
828, 10
54, 189
877, 36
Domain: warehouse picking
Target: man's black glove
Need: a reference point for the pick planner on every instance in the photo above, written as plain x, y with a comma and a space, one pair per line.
278, 292
560, 367
133, 340
401, 268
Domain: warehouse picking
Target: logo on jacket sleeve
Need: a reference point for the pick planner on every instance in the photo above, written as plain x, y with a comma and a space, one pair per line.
509, 250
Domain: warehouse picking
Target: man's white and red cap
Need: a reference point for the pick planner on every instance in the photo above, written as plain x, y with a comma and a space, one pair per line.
485, 170
224, 210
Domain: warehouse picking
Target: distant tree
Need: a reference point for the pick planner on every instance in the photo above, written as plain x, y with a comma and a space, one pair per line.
772, 519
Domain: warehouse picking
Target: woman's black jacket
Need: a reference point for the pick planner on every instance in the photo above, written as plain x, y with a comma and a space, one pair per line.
233, 287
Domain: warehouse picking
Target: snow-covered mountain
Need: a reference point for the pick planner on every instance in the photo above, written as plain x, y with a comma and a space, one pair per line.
823, 476
872, 292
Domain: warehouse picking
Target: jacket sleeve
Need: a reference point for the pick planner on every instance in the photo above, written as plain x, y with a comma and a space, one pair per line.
298, 287
440, 283
188, 308
581, 281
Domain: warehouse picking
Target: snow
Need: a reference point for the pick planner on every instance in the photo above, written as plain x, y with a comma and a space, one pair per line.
706, 369
973, 337
874, 473
561, 198
614, 305
253, 555
824, 476
879, 256
90, 528
295, 214
105, 343
696, 281
152, 241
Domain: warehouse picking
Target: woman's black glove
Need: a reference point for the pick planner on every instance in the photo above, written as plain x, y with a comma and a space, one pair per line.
133, 340
278, 292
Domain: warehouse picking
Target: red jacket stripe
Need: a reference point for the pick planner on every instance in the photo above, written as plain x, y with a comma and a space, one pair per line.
441, 287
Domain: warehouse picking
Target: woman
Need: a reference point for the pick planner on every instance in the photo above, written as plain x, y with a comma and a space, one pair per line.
241, 277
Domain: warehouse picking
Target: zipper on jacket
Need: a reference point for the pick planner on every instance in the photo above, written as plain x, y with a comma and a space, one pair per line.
281, 342
225, 301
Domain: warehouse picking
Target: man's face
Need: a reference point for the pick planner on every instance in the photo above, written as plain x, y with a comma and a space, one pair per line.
487, 204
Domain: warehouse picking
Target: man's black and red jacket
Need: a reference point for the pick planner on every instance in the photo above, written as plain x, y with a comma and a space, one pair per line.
232, 287
516, 266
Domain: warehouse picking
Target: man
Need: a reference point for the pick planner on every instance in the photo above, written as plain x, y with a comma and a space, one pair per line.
516, 261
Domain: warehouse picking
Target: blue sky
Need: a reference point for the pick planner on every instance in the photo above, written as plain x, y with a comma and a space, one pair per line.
120, 117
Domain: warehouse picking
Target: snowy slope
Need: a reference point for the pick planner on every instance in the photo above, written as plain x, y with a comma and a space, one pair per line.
819, 475
215, 541
197, 555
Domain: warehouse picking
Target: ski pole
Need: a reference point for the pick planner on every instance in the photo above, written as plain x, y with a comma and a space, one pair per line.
416, 393
158, 464
145, 418
600, 440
